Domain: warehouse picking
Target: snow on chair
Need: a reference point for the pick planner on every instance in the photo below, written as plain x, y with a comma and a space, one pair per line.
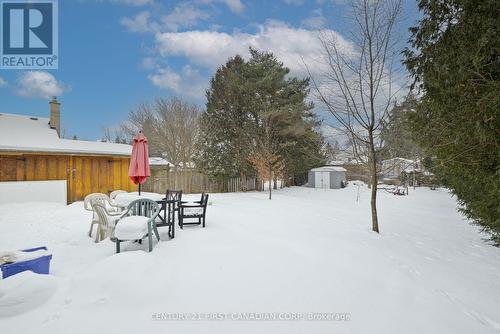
193, 210
137, 223
113, 194
104, 199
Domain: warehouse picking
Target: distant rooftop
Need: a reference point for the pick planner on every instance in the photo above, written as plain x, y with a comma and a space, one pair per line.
33, 134
329, 169
157, 161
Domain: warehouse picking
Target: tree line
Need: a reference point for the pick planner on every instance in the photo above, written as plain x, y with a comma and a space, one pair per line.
259, 120
257, 123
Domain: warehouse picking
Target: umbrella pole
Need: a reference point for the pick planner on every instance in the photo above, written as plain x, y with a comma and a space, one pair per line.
139, 189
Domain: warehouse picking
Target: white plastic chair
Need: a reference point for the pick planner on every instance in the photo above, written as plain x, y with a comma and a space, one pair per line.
113, 194
106, 220
111, 209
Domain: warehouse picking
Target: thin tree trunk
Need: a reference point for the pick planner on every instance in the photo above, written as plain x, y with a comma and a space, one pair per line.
373, 199
175, 177
414, 172
270, 181
243, 181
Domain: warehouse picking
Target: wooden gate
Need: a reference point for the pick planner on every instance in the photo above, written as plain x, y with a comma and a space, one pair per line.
84, 174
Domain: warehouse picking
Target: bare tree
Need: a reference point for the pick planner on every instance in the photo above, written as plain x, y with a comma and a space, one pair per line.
176, 131
115, 135
171, 126
357, 85
106, 135
141, 119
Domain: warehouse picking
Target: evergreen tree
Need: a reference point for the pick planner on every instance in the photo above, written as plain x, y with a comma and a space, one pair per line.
255, 112
455, 60
227, 126
286, 129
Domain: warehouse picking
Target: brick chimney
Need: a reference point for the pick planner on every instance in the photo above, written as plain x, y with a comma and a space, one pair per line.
55, 115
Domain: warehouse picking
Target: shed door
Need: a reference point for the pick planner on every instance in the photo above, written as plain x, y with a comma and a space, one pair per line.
90, 175
322, 180
97, 175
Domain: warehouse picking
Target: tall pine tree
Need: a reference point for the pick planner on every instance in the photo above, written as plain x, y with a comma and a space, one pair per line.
255, 112
228, 125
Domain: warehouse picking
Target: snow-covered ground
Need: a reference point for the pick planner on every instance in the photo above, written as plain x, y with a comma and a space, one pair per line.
306, 251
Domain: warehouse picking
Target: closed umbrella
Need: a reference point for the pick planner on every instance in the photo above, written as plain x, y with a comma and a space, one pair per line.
138, 170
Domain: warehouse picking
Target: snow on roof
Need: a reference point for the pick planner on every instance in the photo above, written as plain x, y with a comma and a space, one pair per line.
328, 169
33, 134
398, 160
157, 161
337, 162
411, 168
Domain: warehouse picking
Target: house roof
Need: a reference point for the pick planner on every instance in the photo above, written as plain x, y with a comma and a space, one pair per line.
402, 160
33, 134
158, 161
328, 169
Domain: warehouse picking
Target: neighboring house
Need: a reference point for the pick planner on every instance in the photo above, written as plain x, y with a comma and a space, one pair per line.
157, 161
31, 150
395, 167
327, 177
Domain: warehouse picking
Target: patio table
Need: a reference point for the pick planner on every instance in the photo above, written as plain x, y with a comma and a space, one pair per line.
166, 216
125, 199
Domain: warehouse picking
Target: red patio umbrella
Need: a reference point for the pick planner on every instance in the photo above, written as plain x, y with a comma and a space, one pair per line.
138, 170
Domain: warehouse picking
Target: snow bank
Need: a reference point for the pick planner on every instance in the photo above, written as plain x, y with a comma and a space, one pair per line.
32, 191
25, 291
306, 251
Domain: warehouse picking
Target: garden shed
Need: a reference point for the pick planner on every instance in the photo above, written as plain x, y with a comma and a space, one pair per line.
327, 177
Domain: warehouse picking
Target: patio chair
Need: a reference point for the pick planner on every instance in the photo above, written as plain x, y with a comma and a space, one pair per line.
193, 210
106, 220
175, 195
137, 223
113, 194
104, 199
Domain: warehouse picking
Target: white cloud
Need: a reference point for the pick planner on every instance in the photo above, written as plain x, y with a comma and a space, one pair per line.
236, 6
149, 63
188, 83
39, 84
134, 2
139, 23
165, 78
209, 49
3, 82
316, 21
183, 16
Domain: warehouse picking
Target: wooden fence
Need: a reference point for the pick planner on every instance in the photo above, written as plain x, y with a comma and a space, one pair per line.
234, 184
191, 181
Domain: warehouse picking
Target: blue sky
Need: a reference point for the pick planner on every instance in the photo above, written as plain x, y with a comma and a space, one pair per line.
115, 54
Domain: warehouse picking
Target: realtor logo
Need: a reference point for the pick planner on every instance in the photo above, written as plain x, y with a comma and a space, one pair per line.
28, 34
